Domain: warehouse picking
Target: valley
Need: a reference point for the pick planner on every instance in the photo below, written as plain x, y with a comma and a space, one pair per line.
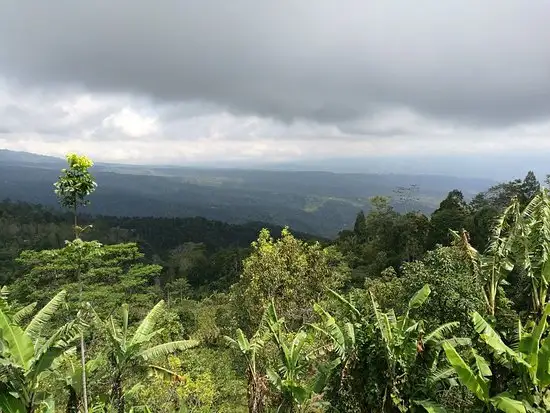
320, 203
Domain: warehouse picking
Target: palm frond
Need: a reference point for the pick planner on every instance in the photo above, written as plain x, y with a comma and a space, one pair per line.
165, 349
243, 344
20, 345
10, 403
440, 332
165, 373
543, 363
419, 297
23, 313
442, 374
148, 324
323, 375
349, 328
331, 330
481, 364
493, 340
347, 303
44, 315
274, 378
124, 321
457, 341
503, 402
472, 255
54, 347
382, 321
112, 333
4, 293
475, 383
45, 360
430, 406
4, 303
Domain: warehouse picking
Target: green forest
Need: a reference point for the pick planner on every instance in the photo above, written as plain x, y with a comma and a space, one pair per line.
403, 312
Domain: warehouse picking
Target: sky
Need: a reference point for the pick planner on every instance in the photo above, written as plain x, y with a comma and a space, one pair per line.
214, 81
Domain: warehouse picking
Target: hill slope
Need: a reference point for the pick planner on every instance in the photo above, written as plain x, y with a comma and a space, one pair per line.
321, 203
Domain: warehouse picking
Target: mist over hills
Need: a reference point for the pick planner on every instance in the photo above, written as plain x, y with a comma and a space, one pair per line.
499, 167
316, 202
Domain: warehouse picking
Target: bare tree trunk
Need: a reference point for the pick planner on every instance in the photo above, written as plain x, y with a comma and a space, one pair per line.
255, 394
251, 393
83, 363
72, 402
117, 397
82, 349
75, 225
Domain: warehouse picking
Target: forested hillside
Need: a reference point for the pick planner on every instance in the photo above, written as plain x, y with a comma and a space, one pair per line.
444, 312
212, 249
320, 203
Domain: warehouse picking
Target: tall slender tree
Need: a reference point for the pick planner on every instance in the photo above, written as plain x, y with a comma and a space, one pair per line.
360, 226
451, 214
530, 187
72, 188
74, 185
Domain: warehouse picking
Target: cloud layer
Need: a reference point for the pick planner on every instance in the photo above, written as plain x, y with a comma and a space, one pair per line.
249, 79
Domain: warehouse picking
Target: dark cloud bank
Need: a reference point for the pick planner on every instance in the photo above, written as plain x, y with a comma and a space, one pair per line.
478, 63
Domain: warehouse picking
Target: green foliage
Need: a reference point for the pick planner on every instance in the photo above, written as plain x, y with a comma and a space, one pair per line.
455, 291
28, 353
412, 330
250, 350
531, 236
383, 239
299, 389
360, 229
494, 266
206, 383
104, 275
134, 354
489, 205
451, 214
75, 182
289, 271
528, 365
222, 246
386, 361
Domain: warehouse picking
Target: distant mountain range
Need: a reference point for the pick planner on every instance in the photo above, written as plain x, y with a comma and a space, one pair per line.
500, 167
316, 202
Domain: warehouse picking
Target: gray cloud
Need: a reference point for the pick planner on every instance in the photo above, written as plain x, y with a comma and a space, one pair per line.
331, 61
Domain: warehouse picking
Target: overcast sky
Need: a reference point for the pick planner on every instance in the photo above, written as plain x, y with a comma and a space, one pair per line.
205, 80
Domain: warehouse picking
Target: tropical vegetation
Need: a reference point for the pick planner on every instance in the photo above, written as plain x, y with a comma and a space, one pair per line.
402, 312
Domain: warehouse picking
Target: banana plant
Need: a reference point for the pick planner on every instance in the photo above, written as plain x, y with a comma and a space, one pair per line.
17, 316
292, 380
494, 265
520, 239
528, 360
250, 349
27, 353
66, 372
404, 339
341, 335
533, 247
133, 353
